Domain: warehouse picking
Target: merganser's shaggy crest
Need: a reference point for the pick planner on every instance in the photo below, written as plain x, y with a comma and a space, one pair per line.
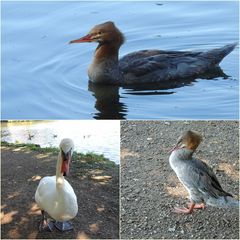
146, 66
197, 177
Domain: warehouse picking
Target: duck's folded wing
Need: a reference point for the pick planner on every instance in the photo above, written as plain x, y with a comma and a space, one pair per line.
148, 53
202, 177
172, 63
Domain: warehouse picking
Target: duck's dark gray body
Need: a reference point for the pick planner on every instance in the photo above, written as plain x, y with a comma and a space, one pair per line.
146, 66
149, 66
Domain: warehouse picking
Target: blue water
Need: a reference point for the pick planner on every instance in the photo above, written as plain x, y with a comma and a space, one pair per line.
43, 77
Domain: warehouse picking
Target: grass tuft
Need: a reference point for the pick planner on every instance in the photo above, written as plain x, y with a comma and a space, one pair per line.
85, 164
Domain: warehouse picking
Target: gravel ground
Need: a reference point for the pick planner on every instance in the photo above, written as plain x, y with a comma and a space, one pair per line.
150, 189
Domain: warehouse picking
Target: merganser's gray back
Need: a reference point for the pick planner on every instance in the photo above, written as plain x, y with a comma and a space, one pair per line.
156, 65
203, 184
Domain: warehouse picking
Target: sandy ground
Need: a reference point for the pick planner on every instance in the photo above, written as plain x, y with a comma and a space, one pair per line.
150, 188
21, 169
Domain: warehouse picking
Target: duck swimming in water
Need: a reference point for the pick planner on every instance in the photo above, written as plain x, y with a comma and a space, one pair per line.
197, 177
145, 66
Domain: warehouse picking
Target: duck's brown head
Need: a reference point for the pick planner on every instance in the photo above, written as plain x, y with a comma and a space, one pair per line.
190, 140
103, 33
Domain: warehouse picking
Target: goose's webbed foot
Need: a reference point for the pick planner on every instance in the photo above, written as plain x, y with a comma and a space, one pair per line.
45, 225
63, 226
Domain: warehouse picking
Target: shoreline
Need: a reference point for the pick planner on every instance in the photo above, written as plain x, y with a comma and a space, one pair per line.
91, 156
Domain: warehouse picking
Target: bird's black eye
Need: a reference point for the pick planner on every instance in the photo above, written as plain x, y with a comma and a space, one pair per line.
179, 141
99, 32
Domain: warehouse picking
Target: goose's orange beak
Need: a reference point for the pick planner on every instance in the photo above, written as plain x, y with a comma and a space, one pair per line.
65, 168
87, 38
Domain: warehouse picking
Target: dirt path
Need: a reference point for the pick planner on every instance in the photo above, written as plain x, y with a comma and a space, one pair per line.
150, 189
21, 171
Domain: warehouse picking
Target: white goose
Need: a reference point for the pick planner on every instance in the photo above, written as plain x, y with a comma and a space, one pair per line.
55, 195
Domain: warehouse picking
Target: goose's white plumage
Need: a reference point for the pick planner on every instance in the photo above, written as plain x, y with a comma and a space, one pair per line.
54, 194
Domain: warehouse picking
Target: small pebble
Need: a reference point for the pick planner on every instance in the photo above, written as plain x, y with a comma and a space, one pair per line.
171, 229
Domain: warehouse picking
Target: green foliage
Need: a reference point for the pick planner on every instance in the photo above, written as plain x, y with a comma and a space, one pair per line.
82, 161
31, 147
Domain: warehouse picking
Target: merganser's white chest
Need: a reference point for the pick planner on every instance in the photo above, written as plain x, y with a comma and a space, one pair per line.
178, 160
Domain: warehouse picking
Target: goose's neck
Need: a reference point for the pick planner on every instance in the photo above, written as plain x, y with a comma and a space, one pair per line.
59, 175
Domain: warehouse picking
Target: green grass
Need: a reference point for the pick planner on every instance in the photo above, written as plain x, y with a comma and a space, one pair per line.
82, 161
85, 166
31, 147
91, 161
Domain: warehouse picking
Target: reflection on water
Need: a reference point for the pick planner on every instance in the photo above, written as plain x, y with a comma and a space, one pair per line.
108, 101
102, 137
214, 73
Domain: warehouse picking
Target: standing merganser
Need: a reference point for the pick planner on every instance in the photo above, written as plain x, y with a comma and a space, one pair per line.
146, 66
197, 177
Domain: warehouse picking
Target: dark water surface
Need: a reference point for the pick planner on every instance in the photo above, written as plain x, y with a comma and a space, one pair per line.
43, 77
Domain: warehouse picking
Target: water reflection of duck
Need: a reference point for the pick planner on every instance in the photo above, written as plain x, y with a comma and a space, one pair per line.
146, 66
108, 104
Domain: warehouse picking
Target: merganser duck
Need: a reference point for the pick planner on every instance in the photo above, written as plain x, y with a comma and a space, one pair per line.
146, 66
197, 177
55, 195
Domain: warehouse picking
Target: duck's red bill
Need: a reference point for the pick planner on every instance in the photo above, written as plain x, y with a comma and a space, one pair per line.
86, 38
174, 148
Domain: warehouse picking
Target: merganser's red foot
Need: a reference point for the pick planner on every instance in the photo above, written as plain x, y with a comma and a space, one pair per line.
182, 210
185, 210
197, 206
